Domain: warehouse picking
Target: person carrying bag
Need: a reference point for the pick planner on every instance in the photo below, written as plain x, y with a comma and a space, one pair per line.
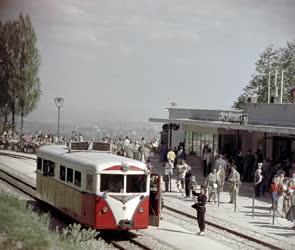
201, 209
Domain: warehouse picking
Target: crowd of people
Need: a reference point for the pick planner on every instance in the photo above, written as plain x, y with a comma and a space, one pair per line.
277, 179
27, 142
136, 149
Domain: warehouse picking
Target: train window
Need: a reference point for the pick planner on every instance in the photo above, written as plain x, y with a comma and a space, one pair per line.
70, 175
48, 168
39, 163
45, 167
113, 183
89, 182
62, 173
51, 169
136, 183
77, 181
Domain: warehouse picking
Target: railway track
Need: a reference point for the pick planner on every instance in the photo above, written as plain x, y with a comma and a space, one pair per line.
31, 190
225, 229
129, 242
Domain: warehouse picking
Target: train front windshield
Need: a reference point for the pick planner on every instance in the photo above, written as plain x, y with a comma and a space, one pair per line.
114, 183
136, 183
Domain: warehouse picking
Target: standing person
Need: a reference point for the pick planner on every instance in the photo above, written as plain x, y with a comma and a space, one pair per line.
203, 155
248, 162
149, 165
188, 176
288, 197
168, 172
220, 161
143, 141
234, 183
181, 169
162, 151
211, 185
201, 209
126, 144
266, 172
220, 177
184, 170
178, 175
291, 212
146, 153
258, 182
274, 187
240, 162
171, 155
175, 161
129, 150
181, 154
207, 161
220, 165
293, 177
193, 185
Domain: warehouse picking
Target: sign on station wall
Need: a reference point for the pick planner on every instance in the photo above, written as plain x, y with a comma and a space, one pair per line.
234, 117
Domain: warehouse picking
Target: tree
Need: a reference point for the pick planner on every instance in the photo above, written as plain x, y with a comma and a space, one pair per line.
29, 90
7, 68
268, 62
19, 61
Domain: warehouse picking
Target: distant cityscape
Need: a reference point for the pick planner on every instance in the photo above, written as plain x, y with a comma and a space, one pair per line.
99, 130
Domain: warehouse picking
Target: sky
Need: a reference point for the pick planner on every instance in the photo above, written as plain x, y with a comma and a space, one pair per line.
128, 60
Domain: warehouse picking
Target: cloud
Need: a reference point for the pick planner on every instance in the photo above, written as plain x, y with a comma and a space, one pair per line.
70, 9
175, 34
125, 49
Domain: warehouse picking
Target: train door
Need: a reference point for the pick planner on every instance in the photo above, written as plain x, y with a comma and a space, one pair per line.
155, 200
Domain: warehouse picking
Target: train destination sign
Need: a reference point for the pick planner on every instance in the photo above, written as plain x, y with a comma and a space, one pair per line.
234, 117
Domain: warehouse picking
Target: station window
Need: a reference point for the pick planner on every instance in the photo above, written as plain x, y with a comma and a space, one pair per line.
77, 181
89, 182
39, 163
113, 183
136, 183
48, 168
70, 175
62, 173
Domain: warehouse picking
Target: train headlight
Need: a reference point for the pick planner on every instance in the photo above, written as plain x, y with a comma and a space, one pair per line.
105, 209
141, 210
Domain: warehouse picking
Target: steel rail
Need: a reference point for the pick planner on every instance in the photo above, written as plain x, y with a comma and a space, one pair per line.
244, 236
30, 190
18, 156
34, 195
18, 183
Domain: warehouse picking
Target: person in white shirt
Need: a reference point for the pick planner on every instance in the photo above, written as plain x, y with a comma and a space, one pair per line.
257, 182
168, 173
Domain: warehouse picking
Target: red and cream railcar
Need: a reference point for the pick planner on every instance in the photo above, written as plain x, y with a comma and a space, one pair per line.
98, 189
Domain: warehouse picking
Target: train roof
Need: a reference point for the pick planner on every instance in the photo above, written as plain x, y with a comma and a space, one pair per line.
91, 160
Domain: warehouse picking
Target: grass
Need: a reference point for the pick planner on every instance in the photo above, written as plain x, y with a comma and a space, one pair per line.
30, 230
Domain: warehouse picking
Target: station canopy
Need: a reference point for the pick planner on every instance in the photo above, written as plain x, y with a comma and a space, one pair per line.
228, 125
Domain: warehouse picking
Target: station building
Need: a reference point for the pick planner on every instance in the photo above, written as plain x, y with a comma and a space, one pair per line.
268, 127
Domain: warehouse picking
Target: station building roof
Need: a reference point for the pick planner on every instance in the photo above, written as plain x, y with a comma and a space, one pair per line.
271, 118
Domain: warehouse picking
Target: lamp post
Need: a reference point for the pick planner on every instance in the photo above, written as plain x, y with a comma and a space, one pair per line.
58, 102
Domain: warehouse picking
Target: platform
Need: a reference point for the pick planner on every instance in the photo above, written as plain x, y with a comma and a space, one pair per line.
168, 233
225, 214
180, 238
